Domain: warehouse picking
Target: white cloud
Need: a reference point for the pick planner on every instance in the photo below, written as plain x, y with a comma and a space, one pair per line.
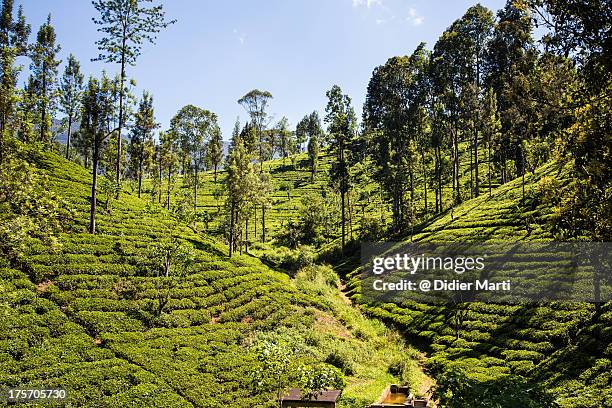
367, 3
241, 37
380, 21
414, 17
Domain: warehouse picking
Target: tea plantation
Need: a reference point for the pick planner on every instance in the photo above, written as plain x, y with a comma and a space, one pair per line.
565, 346
84, 316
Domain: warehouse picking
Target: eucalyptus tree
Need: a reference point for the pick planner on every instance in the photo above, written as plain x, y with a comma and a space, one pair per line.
447, 66
71, 86
510, 43
474, 29
240, 184
95, 109
141, 142
14, 35
393, 115
284, 138
437, 140
215, 150
255, 103
194, 127
313, 155
309, 130
169, 159
491, 128
44, 73
126, 26
341, 126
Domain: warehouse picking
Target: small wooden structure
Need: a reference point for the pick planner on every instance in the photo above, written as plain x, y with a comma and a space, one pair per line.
324, 399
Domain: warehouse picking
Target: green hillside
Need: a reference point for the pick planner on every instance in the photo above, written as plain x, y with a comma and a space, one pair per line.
83, 316
291, 184
492, 340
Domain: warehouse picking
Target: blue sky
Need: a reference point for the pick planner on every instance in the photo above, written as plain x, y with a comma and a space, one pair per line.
297, 49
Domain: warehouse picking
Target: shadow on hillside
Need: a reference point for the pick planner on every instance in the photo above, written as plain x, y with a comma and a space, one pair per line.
206, 247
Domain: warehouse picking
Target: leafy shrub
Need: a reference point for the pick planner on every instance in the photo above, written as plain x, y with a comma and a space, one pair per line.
341, 361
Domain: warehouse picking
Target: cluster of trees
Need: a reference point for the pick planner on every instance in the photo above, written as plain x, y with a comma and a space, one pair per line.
248, 183
485, 89
489, 94
488, 98
101, 106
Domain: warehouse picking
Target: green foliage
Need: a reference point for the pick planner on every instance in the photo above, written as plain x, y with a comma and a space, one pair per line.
314, 380
44, 77
455, 389
315, 224
109, 188
28, 209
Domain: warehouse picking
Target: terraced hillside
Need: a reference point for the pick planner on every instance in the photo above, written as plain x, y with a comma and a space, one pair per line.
492, 340
86, 316
535, 341
291, 184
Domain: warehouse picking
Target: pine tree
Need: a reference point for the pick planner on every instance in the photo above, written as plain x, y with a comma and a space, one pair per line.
13, 43
240, 184
142, 137
215, 150
95, 109
126, 25
71, 86
44, 73
341, 122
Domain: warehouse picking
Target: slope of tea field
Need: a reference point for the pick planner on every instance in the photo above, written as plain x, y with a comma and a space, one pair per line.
83, 316
564, 346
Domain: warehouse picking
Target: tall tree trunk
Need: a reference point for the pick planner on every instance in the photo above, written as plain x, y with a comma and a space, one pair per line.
246, 234
424, 179
94, 185
43, 119
68, 137
456, 153
216, 165
411, 185
350, 211
523, 172
159, 189
342, 194
231, 234
439, 176
471, 148
195, 196
489, 166
120, 127
139, 177
476, 163
263, 223
168, 189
